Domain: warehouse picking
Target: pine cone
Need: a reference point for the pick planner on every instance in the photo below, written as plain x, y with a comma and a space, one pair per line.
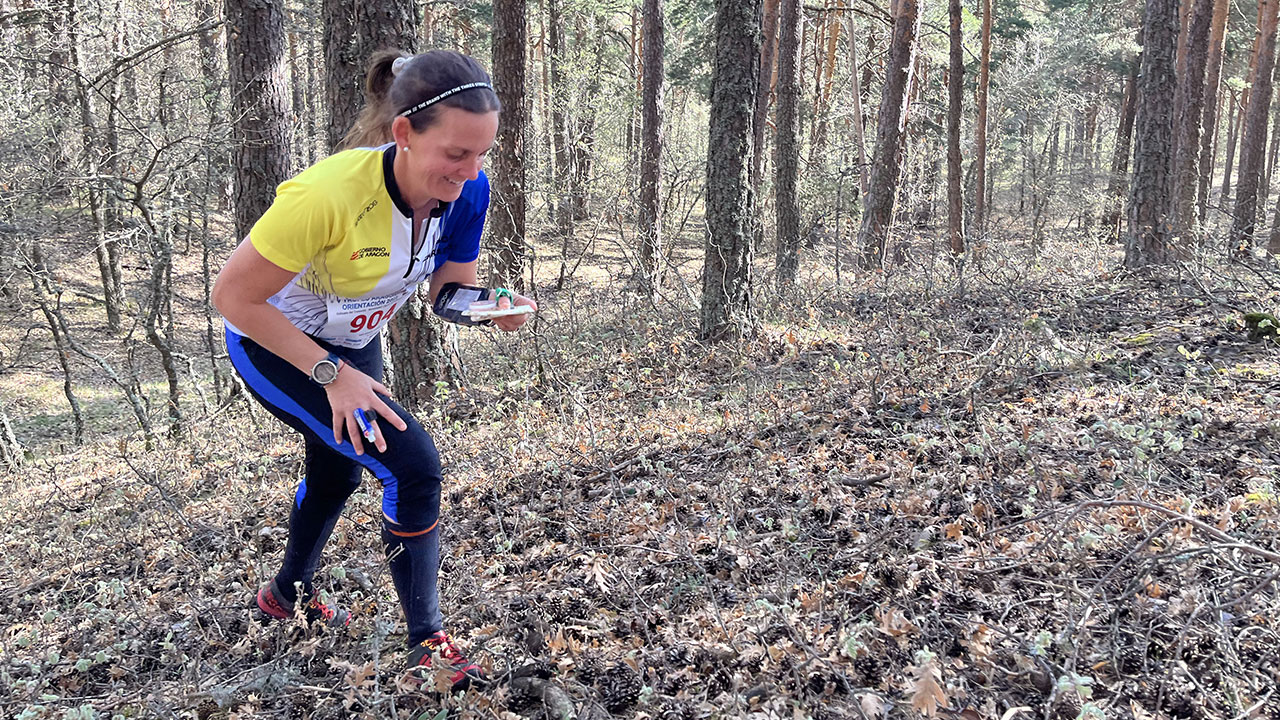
679, 655
580, 608
869, 668
590, 669
726, 595
719, 680
519, 697
1129, 659
557, 608
673, 683
620, 688
650, 575
678, 710
555, 532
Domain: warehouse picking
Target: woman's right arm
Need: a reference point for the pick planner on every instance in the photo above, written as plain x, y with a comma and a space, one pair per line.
241, 292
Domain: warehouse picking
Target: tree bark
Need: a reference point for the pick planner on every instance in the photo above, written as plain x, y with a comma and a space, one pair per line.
786, 148
1120, 158
886, 165
352, 33
1235, 120
1243, 105
1189, 109
650, 226
980, 130
259, 105
1150, 201
859, 141
562, 185
1209, 121
726, 272
822, 96
1254, 143
507, 216
763, 91
955, 87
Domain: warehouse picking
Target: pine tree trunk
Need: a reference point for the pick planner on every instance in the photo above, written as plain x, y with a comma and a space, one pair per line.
562, 184
1243, 106
1254, 143
980, 130
726, 272
1120, 159
507, 209
955, 87
584, 149
1150, 192
786, 147
650, 226
760, 118
1235, 118
1210, 121
1189, 111
822, 96
259, 105
352, 33
886, 165
859, 140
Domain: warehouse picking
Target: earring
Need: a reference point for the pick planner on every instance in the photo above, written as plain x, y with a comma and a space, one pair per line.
406, 148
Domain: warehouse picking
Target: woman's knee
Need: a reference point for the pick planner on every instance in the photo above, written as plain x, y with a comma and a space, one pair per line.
411, 483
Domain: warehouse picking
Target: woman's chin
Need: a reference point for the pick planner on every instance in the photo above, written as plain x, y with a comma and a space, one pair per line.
448, 192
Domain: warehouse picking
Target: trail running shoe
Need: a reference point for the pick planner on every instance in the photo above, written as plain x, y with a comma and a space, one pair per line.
272, 604
465, 672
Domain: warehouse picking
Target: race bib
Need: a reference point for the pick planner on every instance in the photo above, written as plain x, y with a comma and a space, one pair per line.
353, 322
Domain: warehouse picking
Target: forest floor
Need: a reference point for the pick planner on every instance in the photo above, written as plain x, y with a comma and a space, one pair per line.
1040, 488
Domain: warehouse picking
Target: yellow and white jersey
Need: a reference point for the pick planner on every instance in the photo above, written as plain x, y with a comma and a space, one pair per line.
343, 226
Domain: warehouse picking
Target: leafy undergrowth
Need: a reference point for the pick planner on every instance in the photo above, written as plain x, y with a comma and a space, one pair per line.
1047, 495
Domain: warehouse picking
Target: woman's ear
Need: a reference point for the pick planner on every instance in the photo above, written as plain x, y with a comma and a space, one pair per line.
401, 129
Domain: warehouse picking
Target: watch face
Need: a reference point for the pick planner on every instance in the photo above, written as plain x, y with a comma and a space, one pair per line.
324, 372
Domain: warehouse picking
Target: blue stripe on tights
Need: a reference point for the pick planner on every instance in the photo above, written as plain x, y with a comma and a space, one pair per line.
274, 395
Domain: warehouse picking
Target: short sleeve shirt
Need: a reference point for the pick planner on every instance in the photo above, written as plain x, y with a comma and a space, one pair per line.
346, 231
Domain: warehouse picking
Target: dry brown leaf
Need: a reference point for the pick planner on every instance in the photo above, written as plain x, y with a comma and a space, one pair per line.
360, 676
925, 688
892, 623
873, 706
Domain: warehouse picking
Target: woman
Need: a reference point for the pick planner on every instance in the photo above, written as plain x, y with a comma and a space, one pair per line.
305, 295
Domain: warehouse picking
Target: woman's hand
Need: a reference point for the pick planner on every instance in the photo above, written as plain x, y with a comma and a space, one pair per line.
353, 390
511, 323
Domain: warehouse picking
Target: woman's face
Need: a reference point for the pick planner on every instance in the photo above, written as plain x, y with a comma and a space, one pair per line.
444, 156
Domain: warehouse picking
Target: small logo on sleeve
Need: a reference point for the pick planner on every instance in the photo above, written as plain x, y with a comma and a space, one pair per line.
373, 251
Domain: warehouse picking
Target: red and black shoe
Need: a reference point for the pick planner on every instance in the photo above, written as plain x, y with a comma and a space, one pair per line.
465, 672
273, 605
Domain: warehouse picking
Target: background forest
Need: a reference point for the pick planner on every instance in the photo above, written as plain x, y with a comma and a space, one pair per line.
892, 360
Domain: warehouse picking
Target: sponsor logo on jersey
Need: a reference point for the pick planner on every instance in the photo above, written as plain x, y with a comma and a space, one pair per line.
364, 212
373, 251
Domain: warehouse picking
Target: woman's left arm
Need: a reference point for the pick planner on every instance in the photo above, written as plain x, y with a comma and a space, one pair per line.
465, 273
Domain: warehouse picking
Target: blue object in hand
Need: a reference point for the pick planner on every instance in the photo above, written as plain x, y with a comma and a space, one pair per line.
366, 427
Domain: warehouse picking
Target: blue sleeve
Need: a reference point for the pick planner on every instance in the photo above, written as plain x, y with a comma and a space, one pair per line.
468, 222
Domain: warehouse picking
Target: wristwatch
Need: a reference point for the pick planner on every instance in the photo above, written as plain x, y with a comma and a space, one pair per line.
326, 371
